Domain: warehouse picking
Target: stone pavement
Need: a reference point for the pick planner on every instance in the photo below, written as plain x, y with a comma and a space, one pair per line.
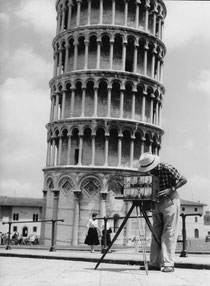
38, 272
38, 267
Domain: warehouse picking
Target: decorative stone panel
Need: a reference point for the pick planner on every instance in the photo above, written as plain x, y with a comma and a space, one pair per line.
116, 186
91, 186
66, 185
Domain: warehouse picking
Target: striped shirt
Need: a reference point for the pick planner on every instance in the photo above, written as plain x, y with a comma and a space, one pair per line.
167, 174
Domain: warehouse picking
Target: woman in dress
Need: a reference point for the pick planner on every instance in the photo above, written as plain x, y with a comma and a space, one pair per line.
93, 232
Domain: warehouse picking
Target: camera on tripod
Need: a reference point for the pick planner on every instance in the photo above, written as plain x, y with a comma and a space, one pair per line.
142, 188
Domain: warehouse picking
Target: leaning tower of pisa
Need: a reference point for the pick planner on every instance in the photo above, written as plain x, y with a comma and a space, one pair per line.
106, 99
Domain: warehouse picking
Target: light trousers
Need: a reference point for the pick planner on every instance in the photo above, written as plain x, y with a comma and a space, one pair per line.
165, 225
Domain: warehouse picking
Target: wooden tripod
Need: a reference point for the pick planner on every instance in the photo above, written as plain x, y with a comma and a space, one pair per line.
135, 203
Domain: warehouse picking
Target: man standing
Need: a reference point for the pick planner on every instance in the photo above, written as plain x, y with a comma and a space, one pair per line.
166, 212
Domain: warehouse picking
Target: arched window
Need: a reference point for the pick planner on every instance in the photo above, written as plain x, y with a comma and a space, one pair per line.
137, 146
102, 99
81, 53
71, 55
15, 216
74, 15
119, 13
25, 231
107, 12
78, 100
117, 54
105, 52
129, 55
126, 142
35, 217
74, 159
100, 147
140, 57
56, 147
113, 148
87, 147
89, 99
115, 100
84, 13
64, 148
94, 15
131, 14
128, 98
138, 104
92, 53
196, 233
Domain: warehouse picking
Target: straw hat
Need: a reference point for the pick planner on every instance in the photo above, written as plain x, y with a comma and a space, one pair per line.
148, 162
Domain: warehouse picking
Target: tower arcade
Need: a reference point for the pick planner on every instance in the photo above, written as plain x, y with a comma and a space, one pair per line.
106, 100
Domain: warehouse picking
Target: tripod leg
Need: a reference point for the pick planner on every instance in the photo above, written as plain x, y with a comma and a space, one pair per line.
116, 235
143, 243
149, 225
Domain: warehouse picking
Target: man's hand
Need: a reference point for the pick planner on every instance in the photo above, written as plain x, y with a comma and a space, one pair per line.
165, 193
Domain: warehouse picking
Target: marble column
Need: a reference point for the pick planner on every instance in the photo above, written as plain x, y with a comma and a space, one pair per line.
86, 53
120, 136
69, 149
78, 12
63, 103
75, 230
72, 102
93, 149
106, 149
113, 11
69, 15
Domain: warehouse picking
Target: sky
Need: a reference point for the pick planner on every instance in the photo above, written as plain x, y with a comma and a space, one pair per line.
27, 28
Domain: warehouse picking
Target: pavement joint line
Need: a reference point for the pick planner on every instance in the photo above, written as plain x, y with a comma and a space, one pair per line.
186, 265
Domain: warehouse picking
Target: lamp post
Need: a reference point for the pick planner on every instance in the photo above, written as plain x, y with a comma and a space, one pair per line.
184, 236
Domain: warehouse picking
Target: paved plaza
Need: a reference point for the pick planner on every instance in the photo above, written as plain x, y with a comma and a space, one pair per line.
38, 267
30, 271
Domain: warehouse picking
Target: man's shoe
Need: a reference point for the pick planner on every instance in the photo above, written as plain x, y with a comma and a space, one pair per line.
168, 269
150, 267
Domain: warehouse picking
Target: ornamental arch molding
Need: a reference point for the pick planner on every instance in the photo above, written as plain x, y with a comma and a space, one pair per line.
49, 184
66, 184
91, 185
115, 185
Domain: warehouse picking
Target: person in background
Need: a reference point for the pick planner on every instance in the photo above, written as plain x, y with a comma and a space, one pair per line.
108, 236
93, 232
166, 212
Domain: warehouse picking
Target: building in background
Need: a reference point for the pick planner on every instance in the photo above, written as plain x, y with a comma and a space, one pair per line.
21, 210
196, 228
194, 224
207, 224
106, 100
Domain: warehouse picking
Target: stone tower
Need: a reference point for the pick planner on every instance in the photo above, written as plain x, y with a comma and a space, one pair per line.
106, 99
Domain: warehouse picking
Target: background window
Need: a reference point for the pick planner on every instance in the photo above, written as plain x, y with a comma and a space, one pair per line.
34, 229
196, 233
35, 217
15, 216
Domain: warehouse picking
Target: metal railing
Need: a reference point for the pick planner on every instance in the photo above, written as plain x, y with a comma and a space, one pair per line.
53, 221
105, 219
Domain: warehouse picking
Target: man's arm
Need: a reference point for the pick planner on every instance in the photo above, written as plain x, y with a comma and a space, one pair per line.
181, 182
